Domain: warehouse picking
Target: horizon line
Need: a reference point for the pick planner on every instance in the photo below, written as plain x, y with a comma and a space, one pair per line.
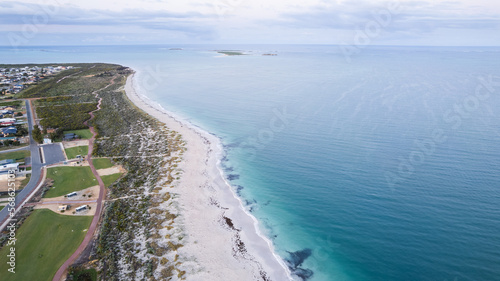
200, 44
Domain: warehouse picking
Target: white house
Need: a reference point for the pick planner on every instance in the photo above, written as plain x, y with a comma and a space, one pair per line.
7, 120
9, 167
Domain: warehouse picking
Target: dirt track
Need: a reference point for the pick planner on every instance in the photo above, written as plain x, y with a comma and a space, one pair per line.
61, 273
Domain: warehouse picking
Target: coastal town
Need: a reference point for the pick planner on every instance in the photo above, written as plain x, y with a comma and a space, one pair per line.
13, 119
14, 80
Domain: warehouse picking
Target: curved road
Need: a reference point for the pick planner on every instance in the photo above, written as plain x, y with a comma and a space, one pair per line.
36, 170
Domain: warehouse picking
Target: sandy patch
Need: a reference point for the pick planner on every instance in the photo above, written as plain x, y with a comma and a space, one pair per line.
71, 211
69, 144
110, 171
4, 183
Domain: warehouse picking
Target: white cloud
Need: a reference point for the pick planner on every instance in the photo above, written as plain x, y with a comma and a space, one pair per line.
252, 21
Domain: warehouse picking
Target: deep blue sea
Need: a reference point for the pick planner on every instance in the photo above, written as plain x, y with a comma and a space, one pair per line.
384, 166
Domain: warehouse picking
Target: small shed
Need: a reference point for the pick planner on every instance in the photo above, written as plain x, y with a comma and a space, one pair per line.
70, 136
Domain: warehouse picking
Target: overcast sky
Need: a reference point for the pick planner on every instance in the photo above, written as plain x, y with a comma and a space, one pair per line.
102, 22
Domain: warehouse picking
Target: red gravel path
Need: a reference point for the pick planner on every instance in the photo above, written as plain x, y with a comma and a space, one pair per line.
90, 233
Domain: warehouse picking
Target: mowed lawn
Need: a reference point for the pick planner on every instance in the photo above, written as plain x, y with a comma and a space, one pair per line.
69, 179
16, 155
44, 242
71, 153
109, 179
83, 133
102, 163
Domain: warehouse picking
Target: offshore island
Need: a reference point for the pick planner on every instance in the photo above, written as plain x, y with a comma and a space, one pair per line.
101, 184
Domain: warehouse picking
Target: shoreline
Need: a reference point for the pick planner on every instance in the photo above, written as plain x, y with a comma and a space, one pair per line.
223, 241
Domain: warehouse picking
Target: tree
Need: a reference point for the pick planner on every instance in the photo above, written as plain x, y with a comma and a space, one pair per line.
21, 131
53, 137
37, 134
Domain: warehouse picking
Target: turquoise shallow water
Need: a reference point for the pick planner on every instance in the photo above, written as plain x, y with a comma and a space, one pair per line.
384, 167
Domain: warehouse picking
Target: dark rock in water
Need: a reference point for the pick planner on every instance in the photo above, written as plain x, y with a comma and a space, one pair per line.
239, 188
304, 274
296, 259
248, 202
233, 177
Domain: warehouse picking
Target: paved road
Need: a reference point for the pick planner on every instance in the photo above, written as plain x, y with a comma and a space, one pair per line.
36, 168
68, 202
53, 153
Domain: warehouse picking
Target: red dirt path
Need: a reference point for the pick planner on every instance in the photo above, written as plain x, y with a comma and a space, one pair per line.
60, 274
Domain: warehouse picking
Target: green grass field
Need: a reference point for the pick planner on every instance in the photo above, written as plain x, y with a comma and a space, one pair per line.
44, 242
102, 163
78, 150
109, 179
69, 179
1, 207
12, 147
16, 155
83, 133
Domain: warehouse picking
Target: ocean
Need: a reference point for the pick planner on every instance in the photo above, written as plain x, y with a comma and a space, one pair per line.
379, 166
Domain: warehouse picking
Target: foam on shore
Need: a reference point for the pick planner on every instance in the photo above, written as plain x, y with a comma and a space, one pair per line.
207, 201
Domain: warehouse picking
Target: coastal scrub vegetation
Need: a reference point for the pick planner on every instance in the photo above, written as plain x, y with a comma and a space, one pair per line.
82, 79
64, 100
17, 103
147, 150
66, 117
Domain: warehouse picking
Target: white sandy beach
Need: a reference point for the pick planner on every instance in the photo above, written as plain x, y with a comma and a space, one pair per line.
205, 199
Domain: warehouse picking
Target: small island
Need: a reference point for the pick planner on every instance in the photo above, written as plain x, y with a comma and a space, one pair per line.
231, 52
